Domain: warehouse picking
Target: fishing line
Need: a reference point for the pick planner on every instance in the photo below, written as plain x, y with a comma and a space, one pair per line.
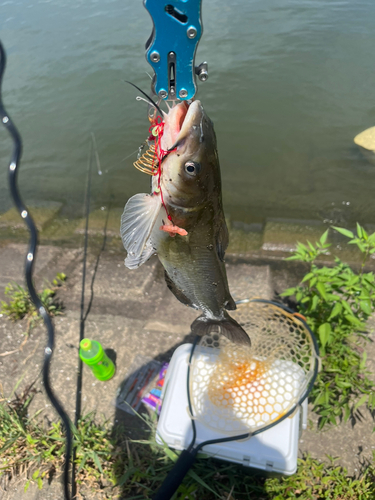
29, 266
97, 264
153, 103
84, 314
95, 147
131, 154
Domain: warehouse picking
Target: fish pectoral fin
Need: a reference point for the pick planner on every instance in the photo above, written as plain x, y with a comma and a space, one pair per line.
177, 292
134, 261
137, 222
226, 326
222, 240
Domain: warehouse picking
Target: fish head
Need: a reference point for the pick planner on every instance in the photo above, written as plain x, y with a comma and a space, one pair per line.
190, 171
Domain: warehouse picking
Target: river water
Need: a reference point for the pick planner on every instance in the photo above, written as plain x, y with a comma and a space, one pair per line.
291, 82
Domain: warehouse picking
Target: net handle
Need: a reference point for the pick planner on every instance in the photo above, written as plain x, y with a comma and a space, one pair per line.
184, 463
176, 475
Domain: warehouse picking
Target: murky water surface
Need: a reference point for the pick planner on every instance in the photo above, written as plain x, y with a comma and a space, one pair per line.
291, 82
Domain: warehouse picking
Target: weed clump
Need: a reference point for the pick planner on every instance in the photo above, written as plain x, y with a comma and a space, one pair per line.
111, 466
20, 306
337, 302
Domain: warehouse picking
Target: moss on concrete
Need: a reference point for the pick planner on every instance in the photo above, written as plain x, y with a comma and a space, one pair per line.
278, 239
13, 235
283, 235
97, 222
242, 242
42, 216
61, 230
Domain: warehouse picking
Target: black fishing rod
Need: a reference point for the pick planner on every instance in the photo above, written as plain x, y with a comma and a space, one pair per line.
29, 267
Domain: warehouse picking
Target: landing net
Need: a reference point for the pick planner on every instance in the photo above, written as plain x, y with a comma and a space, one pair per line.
238, 388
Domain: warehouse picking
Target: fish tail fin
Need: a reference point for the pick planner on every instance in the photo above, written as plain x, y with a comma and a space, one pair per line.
226, 326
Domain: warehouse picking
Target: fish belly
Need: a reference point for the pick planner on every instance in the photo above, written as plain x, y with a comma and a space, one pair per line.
197, 273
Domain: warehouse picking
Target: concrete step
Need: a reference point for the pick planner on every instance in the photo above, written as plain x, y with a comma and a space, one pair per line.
274, 238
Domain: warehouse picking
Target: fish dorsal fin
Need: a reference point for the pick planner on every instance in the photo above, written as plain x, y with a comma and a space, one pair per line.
222, 240
137, 223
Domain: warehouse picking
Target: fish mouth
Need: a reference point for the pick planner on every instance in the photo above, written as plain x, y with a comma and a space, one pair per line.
179, 122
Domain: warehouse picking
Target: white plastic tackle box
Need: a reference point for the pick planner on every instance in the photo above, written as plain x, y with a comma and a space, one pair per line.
275, 449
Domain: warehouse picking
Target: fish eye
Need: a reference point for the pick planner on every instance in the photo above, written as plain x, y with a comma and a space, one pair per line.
192, 167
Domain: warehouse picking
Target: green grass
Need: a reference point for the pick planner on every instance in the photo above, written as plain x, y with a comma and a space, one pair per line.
111, 466
19, 304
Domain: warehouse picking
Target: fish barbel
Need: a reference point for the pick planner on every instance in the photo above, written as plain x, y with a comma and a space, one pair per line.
182, 220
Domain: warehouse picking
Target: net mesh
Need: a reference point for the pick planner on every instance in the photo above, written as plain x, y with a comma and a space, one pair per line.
237, 388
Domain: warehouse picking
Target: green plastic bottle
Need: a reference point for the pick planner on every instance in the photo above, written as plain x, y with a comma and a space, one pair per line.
92, 353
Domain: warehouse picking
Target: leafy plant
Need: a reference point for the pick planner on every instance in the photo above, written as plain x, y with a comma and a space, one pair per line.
19, 302
20, 305
337, 302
